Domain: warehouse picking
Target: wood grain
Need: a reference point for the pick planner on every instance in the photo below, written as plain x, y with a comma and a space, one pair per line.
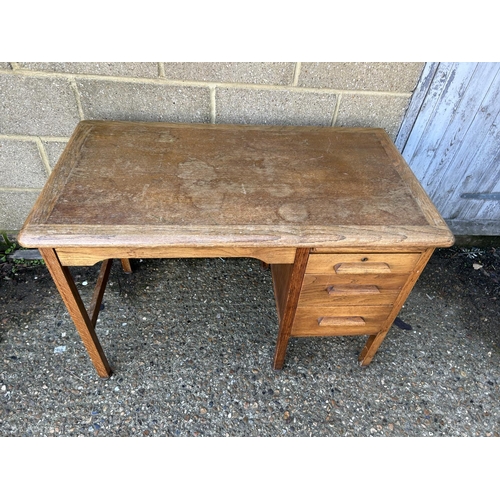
318, 290
133, 184
307, 320
89, 256
292, 293
281, 274
362, 263
379, 238
341, 321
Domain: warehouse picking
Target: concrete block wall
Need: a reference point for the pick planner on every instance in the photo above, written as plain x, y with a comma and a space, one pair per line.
41, 103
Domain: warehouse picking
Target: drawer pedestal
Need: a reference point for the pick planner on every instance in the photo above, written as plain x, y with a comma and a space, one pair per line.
346, 293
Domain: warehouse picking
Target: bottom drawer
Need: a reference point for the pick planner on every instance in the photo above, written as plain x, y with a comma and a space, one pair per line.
321, 321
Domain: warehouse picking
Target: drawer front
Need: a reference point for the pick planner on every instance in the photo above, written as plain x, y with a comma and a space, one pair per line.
379, 264
348, 320
330, 290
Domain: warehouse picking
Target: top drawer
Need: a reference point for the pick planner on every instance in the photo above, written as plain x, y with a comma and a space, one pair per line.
362, 263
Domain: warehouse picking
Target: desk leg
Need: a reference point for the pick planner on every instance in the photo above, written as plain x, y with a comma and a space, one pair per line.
69, 293
374, 341
292, 299
127, 268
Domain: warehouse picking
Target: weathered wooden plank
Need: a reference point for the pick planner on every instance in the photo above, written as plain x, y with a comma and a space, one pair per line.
473, 129
423, 126
454, 144
485, 172
416, 103
478, 209
456, 110
484, 227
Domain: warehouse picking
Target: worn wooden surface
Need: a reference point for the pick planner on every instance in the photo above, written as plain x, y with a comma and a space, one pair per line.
124, 184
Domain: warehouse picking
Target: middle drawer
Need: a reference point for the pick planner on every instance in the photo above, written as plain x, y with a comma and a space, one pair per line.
363, 289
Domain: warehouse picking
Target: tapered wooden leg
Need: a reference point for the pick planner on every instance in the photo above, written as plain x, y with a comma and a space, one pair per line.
374, 341
371, 347
95, 305
127, 268
69, 293
292, 299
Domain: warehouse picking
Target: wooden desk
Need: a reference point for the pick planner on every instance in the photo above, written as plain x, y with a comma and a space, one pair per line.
336, 212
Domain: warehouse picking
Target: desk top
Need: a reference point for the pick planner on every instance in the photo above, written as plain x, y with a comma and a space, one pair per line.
163, 184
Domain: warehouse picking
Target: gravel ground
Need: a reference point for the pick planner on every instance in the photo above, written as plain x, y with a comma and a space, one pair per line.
191, 344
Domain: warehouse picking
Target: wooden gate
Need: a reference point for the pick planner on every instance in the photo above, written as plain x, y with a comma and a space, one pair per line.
451, 139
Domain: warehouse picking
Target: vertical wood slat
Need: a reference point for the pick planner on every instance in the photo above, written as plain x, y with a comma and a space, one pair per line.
427, 113
441, 137
457, 132
417, 100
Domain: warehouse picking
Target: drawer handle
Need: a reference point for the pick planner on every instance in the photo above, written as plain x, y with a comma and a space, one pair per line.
352, 290
341, 321
362, 268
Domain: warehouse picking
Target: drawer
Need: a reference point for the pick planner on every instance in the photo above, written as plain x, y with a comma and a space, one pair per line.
379, 264
346, 320
365, 289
